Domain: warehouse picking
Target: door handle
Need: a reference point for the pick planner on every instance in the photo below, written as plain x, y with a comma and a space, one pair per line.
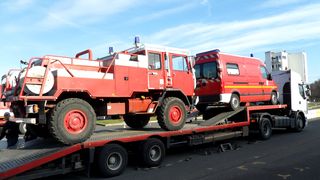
153, 73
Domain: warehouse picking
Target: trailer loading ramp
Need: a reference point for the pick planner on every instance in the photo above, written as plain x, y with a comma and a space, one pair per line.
221, 117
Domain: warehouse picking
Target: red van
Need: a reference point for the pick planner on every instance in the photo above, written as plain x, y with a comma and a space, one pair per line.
224, 79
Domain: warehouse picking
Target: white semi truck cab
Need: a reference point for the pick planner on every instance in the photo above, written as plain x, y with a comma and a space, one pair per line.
292, 90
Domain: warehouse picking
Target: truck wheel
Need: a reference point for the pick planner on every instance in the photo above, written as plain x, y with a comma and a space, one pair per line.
201, 107
72, 121
274, 98
34, 131
299, 123
234, 102
265, 129
152, 152
112, 160
136, 121
172, 114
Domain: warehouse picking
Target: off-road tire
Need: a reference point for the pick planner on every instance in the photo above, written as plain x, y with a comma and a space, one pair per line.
136, 121
78, 110
172, 114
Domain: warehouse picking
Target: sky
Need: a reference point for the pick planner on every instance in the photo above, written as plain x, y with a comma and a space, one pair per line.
33, 28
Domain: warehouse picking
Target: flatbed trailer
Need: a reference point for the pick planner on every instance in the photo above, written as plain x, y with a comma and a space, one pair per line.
107, 149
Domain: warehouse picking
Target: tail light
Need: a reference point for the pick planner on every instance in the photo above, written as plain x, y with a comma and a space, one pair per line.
219, 74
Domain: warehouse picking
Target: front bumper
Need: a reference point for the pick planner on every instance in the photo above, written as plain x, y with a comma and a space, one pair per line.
214, 99
5, 115
23, 120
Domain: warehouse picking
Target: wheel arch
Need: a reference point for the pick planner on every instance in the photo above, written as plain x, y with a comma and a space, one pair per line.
178, 94
163, 139
264, 115
237, 93
84, 96
75, 94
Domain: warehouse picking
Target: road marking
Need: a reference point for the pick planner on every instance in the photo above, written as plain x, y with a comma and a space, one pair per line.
299, 169
259, 163
284, 176
180, 161
242, 168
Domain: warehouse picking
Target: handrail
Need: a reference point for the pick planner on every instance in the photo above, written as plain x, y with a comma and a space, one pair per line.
56, 60
88, 51
25, 79
51, 61
113, 59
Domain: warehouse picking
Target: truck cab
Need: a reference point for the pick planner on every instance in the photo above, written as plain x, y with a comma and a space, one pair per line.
292, 90
167, 68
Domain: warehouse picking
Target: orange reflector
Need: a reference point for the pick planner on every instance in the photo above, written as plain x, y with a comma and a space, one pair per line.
253, 120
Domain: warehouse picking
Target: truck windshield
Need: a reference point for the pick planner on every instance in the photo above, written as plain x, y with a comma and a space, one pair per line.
206, 70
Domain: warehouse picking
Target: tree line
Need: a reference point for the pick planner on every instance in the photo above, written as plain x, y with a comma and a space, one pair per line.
315, 91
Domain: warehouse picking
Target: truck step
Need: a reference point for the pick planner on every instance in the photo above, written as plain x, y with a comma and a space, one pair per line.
221, 117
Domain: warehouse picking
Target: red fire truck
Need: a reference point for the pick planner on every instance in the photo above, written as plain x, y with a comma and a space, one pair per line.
65, 95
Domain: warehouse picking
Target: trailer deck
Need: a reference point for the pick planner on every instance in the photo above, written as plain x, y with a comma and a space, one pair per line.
41, 151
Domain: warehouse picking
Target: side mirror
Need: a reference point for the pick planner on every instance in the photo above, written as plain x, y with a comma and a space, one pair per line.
269, 77
308, 93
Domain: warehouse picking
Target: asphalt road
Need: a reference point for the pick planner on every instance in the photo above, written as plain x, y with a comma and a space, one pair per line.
286, 155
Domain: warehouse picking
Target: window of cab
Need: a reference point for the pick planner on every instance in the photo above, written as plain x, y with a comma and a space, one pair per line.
154, 60
179, 63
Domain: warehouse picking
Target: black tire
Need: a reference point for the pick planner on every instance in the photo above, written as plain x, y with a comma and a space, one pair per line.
234, 102
34, 131
136, 121
152, 152
265, 129
72, 121
201, 107
299, 123
112, 160
274, 98
172, 114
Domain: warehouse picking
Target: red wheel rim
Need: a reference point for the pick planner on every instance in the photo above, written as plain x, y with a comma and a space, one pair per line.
75, 121
175, 114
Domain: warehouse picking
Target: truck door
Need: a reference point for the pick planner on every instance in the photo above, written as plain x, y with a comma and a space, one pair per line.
155, 70
181, 73
265, 84
298, 93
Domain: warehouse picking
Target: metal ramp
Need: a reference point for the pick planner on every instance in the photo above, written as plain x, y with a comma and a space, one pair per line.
220, 117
